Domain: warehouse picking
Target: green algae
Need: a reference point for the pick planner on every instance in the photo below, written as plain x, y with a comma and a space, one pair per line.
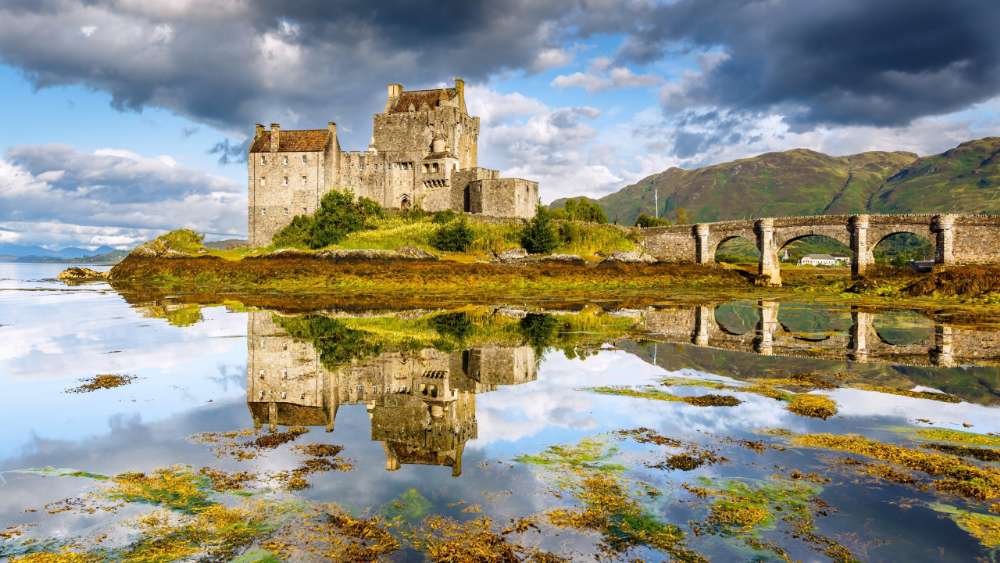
411, 506
589, 454
651, 393
958, 436
177, 488
927, 395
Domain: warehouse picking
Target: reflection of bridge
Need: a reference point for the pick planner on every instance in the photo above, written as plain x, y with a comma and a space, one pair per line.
958, 239
942, 345
421, 404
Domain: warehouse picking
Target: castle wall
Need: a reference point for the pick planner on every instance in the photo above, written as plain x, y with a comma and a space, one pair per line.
503, 197
282, 185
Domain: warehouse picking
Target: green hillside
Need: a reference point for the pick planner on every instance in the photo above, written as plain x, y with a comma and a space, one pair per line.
805, 182
963, 179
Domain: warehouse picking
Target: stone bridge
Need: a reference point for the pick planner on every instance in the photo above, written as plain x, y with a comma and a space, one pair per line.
958, 239
940, 345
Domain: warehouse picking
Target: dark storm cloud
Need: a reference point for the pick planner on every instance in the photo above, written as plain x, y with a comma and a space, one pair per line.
230, 64
830, 61
231, 153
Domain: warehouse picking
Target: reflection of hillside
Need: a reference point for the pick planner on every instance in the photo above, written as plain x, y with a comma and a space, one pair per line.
421, 403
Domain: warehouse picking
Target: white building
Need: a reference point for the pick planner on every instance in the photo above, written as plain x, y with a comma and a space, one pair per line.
823, 260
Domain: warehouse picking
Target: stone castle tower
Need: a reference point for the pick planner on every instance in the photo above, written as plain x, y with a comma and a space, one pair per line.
423, 153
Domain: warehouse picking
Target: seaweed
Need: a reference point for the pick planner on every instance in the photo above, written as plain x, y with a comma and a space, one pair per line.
177, 488
647, 392
816, 406
102, 381
983, 527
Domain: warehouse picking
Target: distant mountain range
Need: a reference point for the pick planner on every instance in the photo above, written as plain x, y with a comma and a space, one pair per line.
804, 182
28, 253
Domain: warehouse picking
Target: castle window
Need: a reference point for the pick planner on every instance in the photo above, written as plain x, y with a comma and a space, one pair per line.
425, 169
263, 159
263, 181
286, 211
284, 160
435, 167
284, 181
263, 211
305, 179
305, 158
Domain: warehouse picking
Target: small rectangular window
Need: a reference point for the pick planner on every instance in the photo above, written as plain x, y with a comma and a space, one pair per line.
263, 159
263, 211
305, 180
305, 159
284, 160
284, 181
263, 181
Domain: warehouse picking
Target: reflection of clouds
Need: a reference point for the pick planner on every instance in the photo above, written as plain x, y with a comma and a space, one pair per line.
856, 403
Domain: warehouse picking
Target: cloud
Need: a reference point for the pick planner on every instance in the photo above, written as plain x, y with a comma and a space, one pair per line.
231, 64
829, 62
55, 193
601, 75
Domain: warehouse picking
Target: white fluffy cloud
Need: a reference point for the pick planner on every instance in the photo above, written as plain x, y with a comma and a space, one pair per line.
57, 195
603, 75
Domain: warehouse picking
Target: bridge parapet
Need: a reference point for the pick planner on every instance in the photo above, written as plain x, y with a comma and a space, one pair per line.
958, 238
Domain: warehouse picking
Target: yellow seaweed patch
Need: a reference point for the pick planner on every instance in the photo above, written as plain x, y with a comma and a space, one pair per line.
654, 394
816, 406
983, 527
929, 395
947, 435
56, 557
957, 476
102, 381
445, 539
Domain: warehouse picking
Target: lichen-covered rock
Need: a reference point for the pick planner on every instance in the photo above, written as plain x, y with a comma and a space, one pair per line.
511, 256
566, 258
405, 253
633, 257
81, 275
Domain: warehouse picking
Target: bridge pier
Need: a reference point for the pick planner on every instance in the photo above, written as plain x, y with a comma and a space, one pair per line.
861, 327
703, 252
859, 245
944, 227
942, 354
763, 342
768, 268
703, 316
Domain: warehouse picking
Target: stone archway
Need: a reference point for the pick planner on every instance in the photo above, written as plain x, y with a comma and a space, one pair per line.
736, 249
404, 202
900, 247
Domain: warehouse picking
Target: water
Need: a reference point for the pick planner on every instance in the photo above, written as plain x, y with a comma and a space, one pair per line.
452, 418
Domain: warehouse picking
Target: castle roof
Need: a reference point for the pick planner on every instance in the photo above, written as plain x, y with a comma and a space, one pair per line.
293, 140
419, 98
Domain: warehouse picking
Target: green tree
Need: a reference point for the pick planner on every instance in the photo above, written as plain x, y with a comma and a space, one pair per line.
682, 216
295, 234
540, 237
646, 221
453, 237
583, 209
338, 215
539, 330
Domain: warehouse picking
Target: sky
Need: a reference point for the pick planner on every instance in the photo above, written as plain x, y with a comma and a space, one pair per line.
120, 119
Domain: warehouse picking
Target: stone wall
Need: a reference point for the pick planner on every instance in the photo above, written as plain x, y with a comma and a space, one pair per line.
503, 197
282, 185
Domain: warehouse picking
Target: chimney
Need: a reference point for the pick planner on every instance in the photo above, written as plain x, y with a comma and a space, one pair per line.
332, 128
258, 131
460, 93
394, 91
275, 137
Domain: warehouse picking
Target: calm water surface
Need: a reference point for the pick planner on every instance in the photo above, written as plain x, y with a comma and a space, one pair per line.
457, 418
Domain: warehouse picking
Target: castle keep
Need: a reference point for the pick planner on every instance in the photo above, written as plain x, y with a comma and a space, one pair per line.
423, 153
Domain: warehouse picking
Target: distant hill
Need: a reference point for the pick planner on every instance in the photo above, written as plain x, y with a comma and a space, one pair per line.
20, 250
805, 182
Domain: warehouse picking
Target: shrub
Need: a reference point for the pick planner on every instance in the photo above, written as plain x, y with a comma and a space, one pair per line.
295, 234
338, 215
539, 237
453, 237
456, 325
444, 217
583, 209
646, 221
539, 329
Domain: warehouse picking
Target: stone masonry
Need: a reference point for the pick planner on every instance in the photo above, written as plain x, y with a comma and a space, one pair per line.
423, 153
958, 239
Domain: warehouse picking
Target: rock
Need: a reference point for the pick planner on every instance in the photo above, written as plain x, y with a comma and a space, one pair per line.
511, 256
412, 253
633, 257
405, 253
564, 258
81, 275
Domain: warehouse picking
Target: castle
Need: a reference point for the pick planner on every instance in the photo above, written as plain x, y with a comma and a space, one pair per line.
423, 153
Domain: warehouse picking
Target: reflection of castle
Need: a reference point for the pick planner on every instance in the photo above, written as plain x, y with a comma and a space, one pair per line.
422, 404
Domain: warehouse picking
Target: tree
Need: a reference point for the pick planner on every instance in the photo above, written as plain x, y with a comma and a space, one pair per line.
539, 237
682, 216
453, 237
645, 221
583, 209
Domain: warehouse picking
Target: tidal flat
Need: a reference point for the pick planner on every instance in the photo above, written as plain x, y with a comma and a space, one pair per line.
179, 426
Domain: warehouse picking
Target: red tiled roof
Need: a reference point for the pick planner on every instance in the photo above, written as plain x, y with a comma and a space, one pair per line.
293, 140
419, 98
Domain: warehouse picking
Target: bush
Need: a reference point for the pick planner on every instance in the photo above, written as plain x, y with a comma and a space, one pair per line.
646, 221
338, 215
454, 237
444, 217
456, 325
539, 237
539, 329
583, 209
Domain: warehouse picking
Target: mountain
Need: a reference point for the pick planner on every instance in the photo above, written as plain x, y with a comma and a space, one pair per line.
963, 179
20, 250
805, 182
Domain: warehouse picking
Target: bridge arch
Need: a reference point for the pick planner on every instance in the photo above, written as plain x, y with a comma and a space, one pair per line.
898, 247
834, 245
737, 318
733, 247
